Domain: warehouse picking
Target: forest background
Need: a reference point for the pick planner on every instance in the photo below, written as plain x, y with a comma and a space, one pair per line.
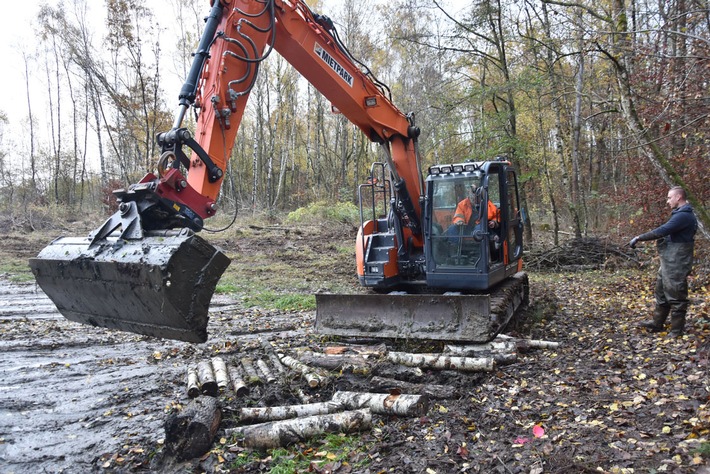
600, 105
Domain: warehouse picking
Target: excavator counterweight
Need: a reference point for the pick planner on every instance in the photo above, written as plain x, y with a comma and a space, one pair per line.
159, 286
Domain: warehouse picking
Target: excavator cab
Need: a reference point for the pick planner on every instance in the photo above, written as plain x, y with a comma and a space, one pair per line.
472, 255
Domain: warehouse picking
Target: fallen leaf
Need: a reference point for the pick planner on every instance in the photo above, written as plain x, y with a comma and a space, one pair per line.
462, 451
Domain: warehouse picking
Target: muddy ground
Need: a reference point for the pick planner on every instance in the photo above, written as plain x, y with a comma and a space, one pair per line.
612, 398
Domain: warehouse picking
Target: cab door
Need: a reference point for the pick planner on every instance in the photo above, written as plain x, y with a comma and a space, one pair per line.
514, 237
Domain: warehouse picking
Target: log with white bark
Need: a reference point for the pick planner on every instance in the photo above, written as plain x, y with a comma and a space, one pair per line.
219, 366
205, 373
503, 352
503, 346
265, 371
282, 433
238, 385
374, 350
442, 362
435, 391
189, 434
271, 355
340, 362
312, 377
384, 403
193, 383
527, 344
303, 396
252, 377
263, 414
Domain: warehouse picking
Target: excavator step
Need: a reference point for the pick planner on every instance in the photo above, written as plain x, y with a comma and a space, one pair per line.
451, 317
158, 286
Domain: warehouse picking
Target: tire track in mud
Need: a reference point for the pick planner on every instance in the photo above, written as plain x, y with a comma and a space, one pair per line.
70, 393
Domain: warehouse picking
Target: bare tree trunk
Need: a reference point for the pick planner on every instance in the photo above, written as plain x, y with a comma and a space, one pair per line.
576, 206
648, 146
33, 164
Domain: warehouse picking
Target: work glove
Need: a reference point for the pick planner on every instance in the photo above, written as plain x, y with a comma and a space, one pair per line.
633, 242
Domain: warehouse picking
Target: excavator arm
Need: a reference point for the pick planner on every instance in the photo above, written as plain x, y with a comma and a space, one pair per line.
145, 270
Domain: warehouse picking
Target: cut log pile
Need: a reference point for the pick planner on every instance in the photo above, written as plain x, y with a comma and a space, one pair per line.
308, 375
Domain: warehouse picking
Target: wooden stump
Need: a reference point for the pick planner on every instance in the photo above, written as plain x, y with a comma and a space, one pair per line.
189, 434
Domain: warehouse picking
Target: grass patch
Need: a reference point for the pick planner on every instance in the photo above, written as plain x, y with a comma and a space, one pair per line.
244, 459
346, 449
317, 212
226, 288
16, 270
284, 302
704, 449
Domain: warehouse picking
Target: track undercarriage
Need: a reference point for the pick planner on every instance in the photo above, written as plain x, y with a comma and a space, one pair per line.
454, 317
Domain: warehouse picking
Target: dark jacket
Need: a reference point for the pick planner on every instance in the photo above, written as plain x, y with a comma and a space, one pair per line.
680, 228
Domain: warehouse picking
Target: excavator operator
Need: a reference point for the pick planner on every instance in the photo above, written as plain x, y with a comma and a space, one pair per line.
468, 206
466, 214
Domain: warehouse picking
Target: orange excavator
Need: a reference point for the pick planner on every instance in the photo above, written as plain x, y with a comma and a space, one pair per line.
146, 270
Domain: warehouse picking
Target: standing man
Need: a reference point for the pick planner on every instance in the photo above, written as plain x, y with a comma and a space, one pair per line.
675, 247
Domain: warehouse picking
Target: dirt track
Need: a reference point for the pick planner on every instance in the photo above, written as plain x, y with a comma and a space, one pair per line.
69, 392
72, 396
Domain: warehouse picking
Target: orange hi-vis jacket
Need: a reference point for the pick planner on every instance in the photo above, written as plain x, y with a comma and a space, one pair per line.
464, 211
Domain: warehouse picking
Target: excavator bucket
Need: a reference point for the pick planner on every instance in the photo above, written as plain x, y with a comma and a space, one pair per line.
452, 317
160, 285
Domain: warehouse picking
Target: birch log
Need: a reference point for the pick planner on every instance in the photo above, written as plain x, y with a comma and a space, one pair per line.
189, 434
440, 361
193, 383
312, 378
383, 403
271, 355
503, 346
303, 396
435, 391
263, 414
527, 344
265, 371
340, 362
220, 372
282, 433
238, 385
501, 352
208, 385
377, 350
252, 378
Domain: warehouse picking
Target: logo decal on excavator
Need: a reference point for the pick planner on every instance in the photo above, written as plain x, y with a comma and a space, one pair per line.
334, 65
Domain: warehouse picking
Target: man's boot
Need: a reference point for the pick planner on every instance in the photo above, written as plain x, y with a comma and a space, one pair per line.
660, 313
677, 324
